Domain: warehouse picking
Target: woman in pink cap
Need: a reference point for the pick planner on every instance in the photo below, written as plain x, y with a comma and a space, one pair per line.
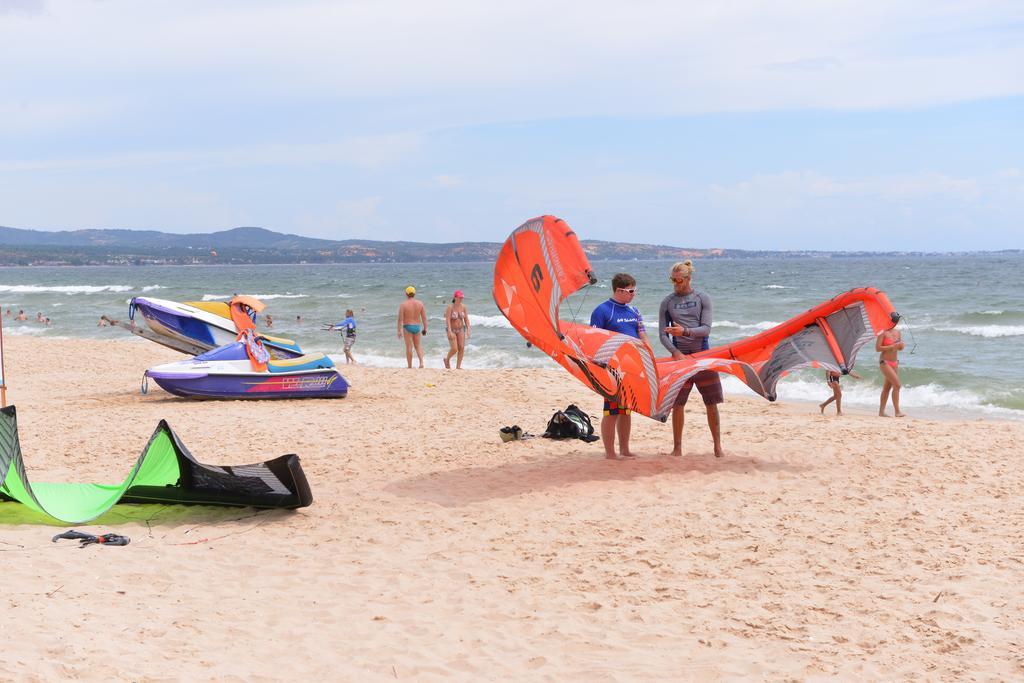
456, 323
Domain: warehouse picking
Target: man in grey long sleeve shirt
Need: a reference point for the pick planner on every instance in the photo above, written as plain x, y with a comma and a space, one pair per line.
684, 323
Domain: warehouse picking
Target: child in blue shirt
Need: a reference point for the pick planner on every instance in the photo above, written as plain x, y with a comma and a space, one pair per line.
348, 327
616, 314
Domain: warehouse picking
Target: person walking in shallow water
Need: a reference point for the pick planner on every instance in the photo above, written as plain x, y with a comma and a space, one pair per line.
889, 344
348, 329
456, 322
412, 324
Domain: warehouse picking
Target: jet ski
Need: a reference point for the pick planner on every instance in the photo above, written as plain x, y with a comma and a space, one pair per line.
195, 327
229, 371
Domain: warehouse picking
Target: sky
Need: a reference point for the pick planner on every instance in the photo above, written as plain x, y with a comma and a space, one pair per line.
749, 125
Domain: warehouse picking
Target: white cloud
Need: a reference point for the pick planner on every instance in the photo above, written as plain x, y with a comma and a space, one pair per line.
240, 111
446, 181
800, 185
370, 151
481, 61
21, 6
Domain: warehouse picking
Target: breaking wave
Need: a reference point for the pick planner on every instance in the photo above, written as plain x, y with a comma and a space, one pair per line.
261, 297
753, 327
490, 321
986, 330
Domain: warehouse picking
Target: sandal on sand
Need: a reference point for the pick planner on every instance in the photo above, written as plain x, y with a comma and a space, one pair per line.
513, 433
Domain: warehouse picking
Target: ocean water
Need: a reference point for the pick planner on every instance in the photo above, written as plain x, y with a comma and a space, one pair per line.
964, 315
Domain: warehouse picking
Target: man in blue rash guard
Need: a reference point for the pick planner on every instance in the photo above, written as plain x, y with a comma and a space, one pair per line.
616, 314
686, 317
348, 328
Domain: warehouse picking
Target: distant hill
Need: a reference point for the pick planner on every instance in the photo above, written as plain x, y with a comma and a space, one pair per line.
251, 245
259, 238
259, 245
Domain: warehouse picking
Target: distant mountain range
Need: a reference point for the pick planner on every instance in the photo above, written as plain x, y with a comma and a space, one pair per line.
258, 245
259, 238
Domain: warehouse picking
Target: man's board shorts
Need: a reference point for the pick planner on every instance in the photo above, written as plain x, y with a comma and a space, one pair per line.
349, 341
708, 384
611, 408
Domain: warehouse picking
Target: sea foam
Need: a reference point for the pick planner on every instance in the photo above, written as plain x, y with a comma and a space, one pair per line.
754, 327
865, 394
489, 321
986, 330
261, 297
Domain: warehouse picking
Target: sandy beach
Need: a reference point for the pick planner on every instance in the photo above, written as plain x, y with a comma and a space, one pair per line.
859, 547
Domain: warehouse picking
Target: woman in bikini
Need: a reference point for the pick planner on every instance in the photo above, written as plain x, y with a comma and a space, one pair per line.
456, 322
889, 344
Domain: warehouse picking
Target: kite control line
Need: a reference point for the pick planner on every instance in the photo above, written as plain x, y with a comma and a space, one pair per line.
88, 539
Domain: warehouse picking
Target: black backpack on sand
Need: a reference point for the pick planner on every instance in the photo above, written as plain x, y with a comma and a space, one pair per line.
571, 423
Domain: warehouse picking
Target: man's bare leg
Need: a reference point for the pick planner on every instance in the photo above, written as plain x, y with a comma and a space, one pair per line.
678, 419
408, 349
623, 428
419, 350
608, 435
716, 432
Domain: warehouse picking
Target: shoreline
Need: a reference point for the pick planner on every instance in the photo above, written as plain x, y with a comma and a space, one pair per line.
931, 413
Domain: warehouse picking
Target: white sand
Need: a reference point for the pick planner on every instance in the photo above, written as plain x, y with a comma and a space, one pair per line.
857, 547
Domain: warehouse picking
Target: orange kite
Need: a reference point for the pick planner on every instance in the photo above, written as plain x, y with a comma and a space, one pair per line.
542, 263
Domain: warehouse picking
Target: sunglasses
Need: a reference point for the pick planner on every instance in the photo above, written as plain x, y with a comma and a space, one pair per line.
679, 280
628, 291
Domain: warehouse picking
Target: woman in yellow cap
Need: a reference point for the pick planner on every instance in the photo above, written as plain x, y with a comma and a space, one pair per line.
412, 323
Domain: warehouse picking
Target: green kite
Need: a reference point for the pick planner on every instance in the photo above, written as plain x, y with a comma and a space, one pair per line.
164, 473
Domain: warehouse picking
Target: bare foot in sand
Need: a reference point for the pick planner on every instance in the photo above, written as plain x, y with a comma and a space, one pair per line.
447, 364
627, 454
901, 414
611, 456
821, 406
719, 452
882, 413
677, 451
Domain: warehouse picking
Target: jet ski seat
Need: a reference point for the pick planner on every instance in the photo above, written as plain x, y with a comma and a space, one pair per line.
311, 361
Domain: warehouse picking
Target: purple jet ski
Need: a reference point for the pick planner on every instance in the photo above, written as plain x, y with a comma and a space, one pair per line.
227, 372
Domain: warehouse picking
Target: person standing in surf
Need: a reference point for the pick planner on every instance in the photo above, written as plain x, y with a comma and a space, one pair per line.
616, 314
889, 344
686, 314
348, 329
412, 324
456, 323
